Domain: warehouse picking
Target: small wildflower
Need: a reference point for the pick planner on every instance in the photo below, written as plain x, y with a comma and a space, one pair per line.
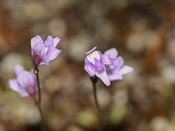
25, 83
44, 52
107, 67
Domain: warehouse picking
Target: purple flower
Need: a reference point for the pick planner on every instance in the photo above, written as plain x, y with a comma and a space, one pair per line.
25, 83
44, 52
107, 67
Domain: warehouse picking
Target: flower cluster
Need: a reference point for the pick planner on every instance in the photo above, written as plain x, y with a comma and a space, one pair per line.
107, 66
25, 83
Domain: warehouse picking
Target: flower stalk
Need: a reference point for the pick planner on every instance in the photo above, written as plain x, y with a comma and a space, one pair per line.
42, 118
38, 102
36, 71
94, 80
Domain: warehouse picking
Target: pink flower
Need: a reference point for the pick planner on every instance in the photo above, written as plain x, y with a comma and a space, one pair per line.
107, 67
44, 51
25, 83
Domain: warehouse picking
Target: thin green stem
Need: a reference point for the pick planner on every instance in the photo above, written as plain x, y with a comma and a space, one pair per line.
38, 102
42, 118
38, 85
95, 95
94, 81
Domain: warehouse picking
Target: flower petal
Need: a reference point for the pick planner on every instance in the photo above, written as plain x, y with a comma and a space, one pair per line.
51, 55
90, 51
107, 59
25, 79
39, 49
113, 52
35, 40
33, 75
118, 62
44, 62
56, 40
94, 55
114, 75
49, 42
125, 70
99, 65
19, 69
91, 58
23, 93
103, 76
89, 70
13, 83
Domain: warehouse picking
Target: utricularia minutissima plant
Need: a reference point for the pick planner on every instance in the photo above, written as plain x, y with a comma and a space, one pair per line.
27, 83
107, 67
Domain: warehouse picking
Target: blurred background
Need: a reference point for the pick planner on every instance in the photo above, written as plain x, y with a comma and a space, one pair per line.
143, 31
